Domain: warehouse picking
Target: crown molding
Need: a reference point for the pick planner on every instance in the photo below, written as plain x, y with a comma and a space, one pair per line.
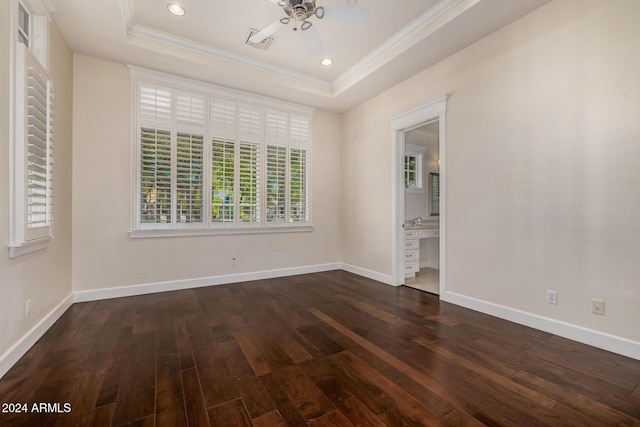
392, 47
404, 39
162, 37
128, 14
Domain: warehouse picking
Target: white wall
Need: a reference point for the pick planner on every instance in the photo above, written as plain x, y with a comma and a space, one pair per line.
542, 166
103, 254
44, 276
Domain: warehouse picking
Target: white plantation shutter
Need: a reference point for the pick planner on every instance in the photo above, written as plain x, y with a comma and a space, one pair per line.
39, 148
299, 141
299, 185
249, 181
207, 161
276, 183
190, 124
222, 115
155, 176
223, 130
276, 128
189, 177
276, 137
249, 123
155, 159
223, 179
155, 106
33, 150
299, 131
249, 136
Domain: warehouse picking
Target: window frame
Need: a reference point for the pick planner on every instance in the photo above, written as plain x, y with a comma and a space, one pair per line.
417, 152
241, 100
24, 56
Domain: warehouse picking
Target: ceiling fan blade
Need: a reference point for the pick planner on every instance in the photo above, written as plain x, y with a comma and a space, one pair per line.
312, 40
267, 32
345, 14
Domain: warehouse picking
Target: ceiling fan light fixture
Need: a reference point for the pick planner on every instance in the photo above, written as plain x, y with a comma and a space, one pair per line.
326, 61
176, 9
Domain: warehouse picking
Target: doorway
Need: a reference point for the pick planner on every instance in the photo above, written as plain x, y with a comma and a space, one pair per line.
421, 207
429, 113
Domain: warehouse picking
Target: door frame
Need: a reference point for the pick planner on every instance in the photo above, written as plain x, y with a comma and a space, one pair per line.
400, 124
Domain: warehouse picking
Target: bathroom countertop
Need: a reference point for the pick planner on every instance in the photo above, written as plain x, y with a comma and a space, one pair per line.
430, 225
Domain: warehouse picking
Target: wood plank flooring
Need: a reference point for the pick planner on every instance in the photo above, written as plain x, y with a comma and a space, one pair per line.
326, 349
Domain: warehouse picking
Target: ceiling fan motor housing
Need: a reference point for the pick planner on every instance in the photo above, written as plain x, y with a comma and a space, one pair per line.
299, 10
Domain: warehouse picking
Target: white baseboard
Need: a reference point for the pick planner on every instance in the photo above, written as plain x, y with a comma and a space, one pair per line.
16, 351
174, 285
587, 336
369, 274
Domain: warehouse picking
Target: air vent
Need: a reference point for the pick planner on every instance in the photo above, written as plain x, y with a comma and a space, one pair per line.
263, 45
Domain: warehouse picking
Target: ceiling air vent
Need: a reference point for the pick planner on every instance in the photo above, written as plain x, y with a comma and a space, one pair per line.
263, 45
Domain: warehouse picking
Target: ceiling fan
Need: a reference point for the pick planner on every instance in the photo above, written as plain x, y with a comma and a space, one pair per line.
299, 11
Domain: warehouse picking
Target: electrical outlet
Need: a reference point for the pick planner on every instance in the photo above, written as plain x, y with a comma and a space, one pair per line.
552, 297
27, 309
233, 261
357, 255
597, 306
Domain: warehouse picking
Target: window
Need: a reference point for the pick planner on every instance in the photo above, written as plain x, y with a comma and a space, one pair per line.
434, 190
32, 133
23, 25
210, 164
413, 168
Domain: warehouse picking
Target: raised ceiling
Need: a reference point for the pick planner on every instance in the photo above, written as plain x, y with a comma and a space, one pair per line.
400, 38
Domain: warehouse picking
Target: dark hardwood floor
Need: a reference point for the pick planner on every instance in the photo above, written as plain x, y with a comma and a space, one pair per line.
326, 349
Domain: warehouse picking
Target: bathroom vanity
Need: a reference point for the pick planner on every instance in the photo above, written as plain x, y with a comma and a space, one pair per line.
412, 237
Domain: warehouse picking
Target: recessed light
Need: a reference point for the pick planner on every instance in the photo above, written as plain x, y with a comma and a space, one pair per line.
327, 61
176, 9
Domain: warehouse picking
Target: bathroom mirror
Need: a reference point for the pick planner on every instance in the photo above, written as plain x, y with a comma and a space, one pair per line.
434, 194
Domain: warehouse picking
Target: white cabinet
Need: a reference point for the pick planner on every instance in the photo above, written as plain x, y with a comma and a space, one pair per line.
411, 252
412, 248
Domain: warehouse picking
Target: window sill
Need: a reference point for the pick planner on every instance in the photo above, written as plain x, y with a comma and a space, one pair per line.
28, 247
145, 234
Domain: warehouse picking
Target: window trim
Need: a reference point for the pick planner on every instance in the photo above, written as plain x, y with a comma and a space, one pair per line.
20, 243
141, 75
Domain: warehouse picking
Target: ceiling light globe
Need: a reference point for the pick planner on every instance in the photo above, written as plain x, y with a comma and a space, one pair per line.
327, 61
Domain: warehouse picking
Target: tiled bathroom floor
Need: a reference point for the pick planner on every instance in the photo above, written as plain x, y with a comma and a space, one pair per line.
427, 280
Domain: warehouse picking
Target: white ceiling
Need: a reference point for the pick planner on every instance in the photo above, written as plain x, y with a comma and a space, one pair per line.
400, 38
